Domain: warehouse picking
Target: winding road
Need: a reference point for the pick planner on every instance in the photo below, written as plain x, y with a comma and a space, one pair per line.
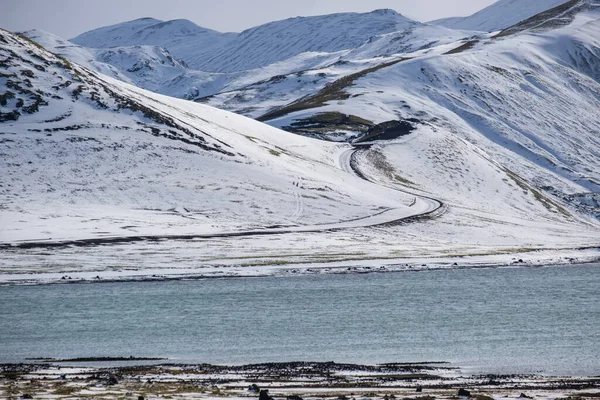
421, 207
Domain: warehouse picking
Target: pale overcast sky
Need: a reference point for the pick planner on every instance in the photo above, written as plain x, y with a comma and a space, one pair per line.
68, 18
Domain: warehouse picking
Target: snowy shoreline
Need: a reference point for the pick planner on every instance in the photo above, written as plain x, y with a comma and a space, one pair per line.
300, 380
540, 258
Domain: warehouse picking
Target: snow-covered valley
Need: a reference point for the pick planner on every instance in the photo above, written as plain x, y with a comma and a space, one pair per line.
481, 149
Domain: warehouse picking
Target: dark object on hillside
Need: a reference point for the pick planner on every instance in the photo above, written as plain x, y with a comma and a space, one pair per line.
419, 389
524, 396
253, 388
141, 398
27, 396
112, 380
463, 393
389, 130
294, 397
264, 395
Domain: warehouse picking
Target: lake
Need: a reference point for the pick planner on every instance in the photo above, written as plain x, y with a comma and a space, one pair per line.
497, 320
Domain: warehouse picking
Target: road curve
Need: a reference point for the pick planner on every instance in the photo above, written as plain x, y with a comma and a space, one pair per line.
421, 206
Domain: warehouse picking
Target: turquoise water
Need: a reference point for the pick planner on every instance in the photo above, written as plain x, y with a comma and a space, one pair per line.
507, 320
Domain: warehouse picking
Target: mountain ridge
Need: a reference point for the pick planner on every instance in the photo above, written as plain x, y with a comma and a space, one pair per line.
500, 15
232, 52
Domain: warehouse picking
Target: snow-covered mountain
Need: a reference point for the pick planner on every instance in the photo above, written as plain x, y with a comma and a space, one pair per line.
177, 58
500, 15
180, 59
530, 98
279, 87
85, 155
476, 145
185, 40
281, 40
210, 51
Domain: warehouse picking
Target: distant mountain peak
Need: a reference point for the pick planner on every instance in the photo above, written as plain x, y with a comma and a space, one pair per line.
210, 51
385, 11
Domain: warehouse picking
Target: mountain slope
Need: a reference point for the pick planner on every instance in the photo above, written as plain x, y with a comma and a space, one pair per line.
81, 55
500, 15
152, 186
277, 41
210, 51
88, 156
263, 96
529, 100
182, 38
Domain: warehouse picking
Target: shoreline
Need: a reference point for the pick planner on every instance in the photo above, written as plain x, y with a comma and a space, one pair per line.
532, 259
283, 380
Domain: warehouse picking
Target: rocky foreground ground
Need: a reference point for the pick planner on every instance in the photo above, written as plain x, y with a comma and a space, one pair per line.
283, 381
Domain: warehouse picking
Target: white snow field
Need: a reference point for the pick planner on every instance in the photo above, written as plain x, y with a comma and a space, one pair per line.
85, 145
103, 180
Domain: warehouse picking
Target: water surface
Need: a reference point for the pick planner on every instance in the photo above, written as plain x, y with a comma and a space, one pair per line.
505, 320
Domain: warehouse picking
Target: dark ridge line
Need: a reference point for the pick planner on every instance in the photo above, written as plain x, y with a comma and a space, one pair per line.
331, 91
542, 19
147, 238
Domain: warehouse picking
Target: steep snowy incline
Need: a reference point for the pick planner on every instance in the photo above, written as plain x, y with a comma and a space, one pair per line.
86, 156
500, 15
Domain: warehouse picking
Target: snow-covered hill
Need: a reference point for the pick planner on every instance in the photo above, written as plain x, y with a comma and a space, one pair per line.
277, 41
487, 144
182, 38
88, 156
500, 15
180, 59
531, 100
210, 51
